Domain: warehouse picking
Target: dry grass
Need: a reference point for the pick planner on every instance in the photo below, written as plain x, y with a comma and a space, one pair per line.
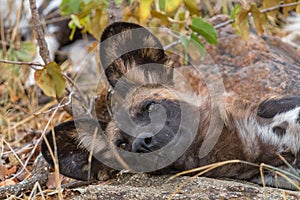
24, 118
21, 128
287, 175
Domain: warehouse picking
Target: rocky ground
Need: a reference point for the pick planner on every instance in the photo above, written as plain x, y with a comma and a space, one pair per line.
142, 186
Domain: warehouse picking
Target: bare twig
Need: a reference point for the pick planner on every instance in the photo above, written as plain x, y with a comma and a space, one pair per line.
91, 152
32, 116
224, 23
169, 32
40, 172
230, 21
172, 44
2, 35
58, 106
36, 187
43, 50
31, 64
279, 6
40, 175
16, 156
16, 25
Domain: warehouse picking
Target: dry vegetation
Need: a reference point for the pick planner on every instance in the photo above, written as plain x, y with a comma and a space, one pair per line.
26, 113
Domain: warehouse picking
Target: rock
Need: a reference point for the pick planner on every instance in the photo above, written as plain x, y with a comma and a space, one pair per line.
142, 186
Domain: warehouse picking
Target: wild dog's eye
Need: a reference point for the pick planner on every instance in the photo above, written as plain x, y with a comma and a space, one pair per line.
121, 144
150, 106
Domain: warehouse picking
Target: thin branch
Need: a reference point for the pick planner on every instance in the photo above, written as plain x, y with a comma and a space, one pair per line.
169, 32
36, 164
279, 6
172, 44
224, 23
16, 25
58, 106
43, 50
31, 64
2, 36
16, 156
76, 87
40, 175
230, 21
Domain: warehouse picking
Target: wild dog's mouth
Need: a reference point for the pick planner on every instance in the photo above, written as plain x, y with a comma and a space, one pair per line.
145, 142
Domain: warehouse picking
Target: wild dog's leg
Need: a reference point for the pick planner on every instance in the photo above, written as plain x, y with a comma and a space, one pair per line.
72, 155
280, 129
273, 180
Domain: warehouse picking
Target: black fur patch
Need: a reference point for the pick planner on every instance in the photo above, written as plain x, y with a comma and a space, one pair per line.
271, 107
280, 129
72, 160
125, 46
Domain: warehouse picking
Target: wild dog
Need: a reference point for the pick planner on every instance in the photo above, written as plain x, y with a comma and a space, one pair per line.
159, 127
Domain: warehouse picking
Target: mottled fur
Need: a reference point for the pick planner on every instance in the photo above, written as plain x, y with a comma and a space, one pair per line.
254, 128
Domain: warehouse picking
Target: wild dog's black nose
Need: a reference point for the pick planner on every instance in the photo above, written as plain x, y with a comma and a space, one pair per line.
144, 143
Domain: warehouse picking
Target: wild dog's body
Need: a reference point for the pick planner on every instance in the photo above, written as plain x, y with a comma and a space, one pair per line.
251, 130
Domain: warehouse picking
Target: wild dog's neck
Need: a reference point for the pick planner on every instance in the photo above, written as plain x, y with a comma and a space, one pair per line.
217, 129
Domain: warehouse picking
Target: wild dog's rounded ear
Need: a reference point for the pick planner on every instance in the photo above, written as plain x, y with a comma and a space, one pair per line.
273, 106
126, 45
72, 157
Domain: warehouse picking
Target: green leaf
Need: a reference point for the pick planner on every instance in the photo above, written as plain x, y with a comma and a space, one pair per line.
68, 7
162, 5
199, 45
196, 39
86, 23
185, 42
50, 80
73, 24
76, 21
205, 29
191, 5
234, 11
73, 27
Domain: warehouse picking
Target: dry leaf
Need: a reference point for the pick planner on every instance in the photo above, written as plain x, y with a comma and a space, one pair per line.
50, 80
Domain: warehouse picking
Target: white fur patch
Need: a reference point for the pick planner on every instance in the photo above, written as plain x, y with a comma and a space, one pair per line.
250, 129
248, 132
53, 5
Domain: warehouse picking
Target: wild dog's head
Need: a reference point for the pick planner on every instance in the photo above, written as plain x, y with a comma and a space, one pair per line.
153, 123
149, 115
